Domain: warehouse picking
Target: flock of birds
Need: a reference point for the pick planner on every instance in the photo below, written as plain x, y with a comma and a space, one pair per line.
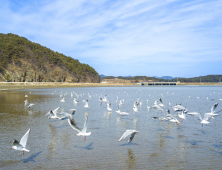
181, 113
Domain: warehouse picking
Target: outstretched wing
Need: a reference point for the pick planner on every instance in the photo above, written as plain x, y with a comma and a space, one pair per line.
214, 107
127, 133
73, 125
131, 137
23, 140
85, 124
54, 111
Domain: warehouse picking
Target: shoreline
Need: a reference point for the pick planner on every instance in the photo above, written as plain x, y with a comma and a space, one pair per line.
38, 85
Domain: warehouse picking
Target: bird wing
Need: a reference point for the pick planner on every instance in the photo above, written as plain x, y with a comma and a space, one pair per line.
131, 137
85, 124
127, 133
207, 116
16, 143
73, 125
214, 107
23, 140
54, 111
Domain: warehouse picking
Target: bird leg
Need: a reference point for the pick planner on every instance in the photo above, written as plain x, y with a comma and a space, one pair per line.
84, 138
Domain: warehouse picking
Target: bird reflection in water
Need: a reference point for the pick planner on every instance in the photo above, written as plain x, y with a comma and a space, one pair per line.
131, 161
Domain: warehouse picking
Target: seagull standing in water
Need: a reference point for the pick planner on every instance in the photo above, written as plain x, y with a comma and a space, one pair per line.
131, 132
87, 104
80, 132
22, 144
109, 106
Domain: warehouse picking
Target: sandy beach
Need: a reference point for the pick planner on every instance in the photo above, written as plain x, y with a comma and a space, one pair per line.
36, 85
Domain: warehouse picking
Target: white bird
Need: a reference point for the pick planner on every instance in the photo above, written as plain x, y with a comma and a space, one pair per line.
120, 103
212, 113
156, 106
131, 132
22, 144
182, 116
87, 104
26, 101
54, 111
205, 119
69, 115
62, 100
54, 115
161, 103
30, 105
105, 98
75, 101
109, 106
135, 109
80, 132
123, 114
174, 120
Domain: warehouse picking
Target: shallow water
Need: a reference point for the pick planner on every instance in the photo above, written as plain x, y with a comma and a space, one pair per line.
159, 144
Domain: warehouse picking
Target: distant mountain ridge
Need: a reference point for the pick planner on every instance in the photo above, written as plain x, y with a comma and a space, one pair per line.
24, 61
207, 78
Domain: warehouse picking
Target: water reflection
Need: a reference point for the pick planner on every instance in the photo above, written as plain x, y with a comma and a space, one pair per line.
131, 161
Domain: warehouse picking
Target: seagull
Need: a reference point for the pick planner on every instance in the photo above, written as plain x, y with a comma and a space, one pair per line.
26, 101
22, 144
123, 114
131, 132
54, 115
80, 132
205, 119
87, 105
62, 100
54, 111
135, 109
75, 101
161, 103
212, 113
182, 116
109, 106
30, 105
174, 120
156, 106
105, 98
68, 114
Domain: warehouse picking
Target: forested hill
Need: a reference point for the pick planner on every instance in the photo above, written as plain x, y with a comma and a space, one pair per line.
24, 61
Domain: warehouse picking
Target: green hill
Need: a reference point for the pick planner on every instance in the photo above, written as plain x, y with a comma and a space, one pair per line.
24, 61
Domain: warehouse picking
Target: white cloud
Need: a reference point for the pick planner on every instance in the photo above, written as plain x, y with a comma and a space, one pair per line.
125, 32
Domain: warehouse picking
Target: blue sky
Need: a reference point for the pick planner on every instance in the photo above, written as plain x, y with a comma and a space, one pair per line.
179, 38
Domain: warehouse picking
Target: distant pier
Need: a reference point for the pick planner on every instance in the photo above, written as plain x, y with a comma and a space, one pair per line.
158, 83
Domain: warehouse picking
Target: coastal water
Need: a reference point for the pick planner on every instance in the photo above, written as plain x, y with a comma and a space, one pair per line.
53, 144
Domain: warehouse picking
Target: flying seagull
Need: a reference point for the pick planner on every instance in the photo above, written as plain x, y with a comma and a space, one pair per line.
22, 144
131, 132
80, 132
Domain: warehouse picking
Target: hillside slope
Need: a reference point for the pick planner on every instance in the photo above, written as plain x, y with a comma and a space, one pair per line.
24, 61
